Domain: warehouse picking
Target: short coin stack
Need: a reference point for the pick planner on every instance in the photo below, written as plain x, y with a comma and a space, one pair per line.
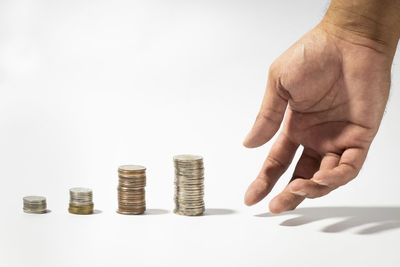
131, 193
81, 201
35, 204
189, 185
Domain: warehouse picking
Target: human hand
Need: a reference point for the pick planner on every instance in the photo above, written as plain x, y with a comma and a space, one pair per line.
332, 86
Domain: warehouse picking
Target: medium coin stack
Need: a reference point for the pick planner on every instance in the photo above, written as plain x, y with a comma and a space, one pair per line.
131, 193
81, 200
35, 204
189, 185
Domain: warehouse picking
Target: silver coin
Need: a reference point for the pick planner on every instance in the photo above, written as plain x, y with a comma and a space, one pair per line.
81, 197
131, 168
34, 199
187, 157
189, 213
34, 204
81, 190
41, 211
189, 185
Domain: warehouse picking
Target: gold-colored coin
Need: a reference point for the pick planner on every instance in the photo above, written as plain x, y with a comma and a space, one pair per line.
86, 209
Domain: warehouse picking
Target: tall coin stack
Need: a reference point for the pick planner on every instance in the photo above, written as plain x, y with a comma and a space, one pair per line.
35, 204
189, 185
81, 201
131, 193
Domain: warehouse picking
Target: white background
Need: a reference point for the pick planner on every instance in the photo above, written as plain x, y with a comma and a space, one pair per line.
88, 85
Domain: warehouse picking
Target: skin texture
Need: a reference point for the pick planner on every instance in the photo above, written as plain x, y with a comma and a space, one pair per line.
330, 90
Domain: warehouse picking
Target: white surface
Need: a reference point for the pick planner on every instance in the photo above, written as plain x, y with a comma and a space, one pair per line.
86, 86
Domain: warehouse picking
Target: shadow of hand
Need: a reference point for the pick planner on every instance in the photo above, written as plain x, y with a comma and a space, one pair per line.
382, 218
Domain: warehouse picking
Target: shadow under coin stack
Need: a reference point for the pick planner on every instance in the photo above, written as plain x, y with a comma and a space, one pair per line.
131, 193
35, 204
81, 201
189, 185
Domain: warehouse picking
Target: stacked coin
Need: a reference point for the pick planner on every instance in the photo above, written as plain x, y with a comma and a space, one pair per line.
131, 193
81, 200
189, 185
35, 204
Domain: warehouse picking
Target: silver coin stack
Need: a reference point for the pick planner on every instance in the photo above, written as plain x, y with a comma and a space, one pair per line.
81, 200
189, 185
35, 204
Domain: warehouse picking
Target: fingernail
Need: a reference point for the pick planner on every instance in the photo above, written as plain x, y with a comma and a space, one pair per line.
299, 193
251, 196
246, 140
320, 182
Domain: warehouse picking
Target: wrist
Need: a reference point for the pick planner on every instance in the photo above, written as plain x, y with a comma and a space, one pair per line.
372, 23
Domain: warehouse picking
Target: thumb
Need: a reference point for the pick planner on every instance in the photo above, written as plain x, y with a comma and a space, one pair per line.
270, 115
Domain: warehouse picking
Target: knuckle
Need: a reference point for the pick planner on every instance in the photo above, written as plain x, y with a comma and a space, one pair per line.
273, 69
296, 185
270, 115
353, 170
318, 193
275, 163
